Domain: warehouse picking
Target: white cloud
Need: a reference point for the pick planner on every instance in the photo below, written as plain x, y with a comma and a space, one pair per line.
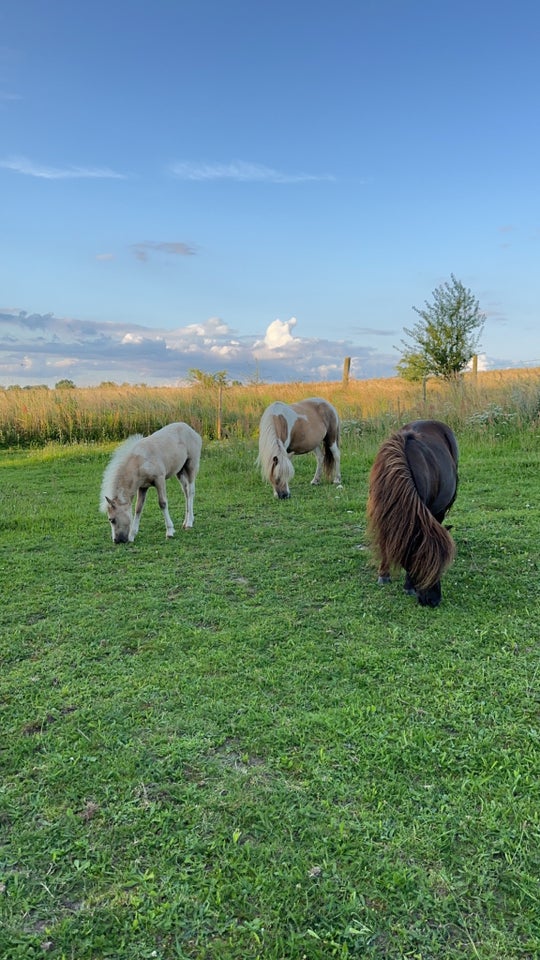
241, 172
91, 352
278, 334
213, 327
29, 168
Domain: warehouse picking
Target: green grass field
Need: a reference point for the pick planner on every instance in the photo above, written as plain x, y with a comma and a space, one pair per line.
235, 744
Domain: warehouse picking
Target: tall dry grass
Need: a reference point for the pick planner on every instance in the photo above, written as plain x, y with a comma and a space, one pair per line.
504, 399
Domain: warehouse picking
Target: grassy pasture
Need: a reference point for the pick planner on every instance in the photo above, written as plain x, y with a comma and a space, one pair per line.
235, 744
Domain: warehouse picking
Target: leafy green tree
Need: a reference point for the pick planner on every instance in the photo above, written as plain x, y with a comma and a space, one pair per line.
65, 385
447, 335
413, 366
200, 378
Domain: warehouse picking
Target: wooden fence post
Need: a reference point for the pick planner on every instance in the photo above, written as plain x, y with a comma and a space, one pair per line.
219, 409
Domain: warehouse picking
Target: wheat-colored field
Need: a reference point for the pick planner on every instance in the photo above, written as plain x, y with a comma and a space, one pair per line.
37, 415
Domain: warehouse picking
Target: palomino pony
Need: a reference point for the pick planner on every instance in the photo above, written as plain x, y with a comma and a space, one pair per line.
412, 485
285, 429
143, 462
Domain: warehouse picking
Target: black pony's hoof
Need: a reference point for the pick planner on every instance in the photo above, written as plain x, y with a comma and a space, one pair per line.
385, 579
428, 601
409, 586
430, 597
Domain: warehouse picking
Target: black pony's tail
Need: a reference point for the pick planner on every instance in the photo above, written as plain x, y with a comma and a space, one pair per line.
401, 527
431, 550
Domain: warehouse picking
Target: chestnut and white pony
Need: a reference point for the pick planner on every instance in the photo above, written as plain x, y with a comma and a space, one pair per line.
286, 429
143, 462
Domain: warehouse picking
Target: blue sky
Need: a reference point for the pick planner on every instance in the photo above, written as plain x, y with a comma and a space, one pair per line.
262, 188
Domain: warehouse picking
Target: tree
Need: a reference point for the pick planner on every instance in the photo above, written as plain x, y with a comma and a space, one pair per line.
64, 385
212, 381
208, 380
413, 366
447, 335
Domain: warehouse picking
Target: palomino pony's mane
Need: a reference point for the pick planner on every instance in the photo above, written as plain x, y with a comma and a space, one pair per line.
109, 483
270, 445
400, 520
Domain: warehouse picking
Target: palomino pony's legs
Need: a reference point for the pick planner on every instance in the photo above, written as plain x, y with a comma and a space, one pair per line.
141, 497
161, 490
188, 486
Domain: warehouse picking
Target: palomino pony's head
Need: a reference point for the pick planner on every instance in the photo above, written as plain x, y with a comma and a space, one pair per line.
281, 471
119, 514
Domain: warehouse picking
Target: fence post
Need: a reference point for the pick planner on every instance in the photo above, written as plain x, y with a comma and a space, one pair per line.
219, 409
346, 370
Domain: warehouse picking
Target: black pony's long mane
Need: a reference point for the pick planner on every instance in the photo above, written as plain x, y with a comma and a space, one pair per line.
400, 525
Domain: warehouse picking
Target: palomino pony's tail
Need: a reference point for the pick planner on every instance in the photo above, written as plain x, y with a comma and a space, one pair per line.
119, 456
400, 526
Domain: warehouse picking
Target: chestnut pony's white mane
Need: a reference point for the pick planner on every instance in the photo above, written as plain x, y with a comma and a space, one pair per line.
287, 429
270, 445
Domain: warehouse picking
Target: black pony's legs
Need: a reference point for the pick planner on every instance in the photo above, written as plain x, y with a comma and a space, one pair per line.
409, 586
429, 597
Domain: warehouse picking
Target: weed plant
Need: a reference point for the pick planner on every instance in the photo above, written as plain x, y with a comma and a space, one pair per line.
235, 744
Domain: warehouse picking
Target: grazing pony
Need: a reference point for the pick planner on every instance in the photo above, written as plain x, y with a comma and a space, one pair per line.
143, 462
285, 429
412, 485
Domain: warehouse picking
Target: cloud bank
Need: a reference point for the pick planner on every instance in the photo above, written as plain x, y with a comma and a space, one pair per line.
42, 349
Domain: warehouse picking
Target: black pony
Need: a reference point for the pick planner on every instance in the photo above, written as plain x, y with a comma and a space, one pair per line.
412, 485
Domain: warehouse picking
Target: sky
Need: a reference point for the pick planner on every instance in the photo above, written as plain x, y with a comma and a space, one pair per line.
262, 188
